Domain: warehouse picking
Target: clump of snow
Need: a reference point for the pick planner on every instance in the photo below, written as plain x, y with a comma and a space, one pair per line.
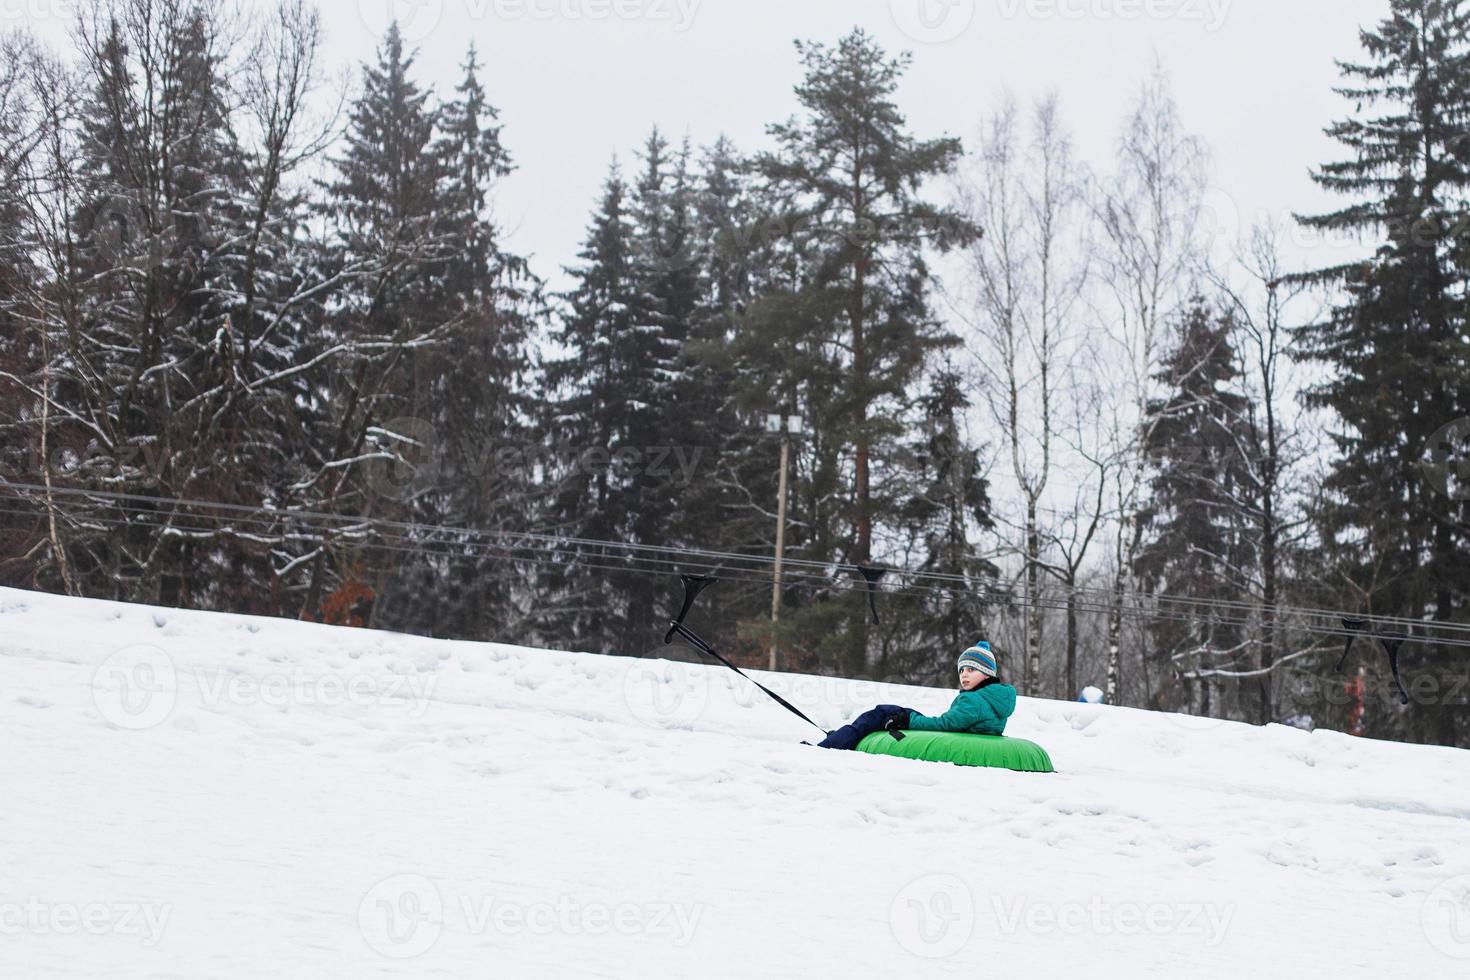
237, 797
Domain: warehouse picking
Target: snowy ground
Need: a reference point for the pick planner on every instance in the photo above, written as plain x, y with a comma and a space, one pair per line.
194, 795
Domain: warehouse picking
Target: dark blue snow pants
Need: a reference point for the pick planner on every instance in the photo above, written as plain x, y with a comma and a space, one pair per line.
865, 724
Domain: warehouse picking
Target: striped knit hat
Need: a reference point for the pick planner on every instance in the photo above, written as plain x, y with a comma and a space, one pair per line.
979, 657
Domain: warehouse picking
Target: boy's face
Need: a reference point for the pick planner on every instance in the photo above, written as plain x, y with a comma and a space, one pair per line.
970, 678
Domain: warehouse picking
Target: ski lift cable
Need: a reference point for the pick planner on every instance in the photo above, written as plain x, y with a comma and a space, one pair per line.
410, 546
821, 571
459, 549
791, 564
818, 574
818, 581
824, 570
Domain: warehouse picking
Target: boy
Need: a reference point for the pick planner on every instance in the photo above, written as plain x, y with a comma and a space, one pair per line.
981, 707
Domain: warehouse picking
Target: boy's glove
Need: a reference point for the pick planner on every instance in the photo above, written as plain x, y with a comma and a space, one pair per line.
896, 722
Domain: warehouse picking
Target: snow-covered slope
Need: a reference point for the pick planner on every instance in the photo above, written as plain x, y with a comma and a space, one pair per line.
194, 795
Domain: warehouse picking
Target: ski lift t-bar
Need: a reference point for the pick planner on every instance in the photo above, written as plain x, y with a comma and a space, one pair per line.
1391, 640
693, 586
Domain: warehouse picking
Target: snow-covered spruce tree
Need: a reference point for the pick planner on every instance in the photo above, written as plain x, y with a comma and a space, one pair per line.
388, 241
142, 356
1198, 542
475, 397
848, 174
29, 555
1395, 344
160, 224
262, 411
21, 131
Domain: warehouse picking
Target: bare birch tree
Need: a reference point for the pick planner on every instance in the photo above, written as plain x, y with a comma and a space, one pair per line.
1151, 258
1027, 278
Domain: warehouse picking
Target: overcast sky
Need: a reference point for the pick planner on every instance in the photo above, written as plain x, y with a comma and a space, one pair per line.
577, 80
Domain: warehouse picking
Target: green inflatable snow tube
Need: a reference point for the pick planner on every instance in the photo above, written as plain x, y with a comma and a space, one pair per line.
962, 749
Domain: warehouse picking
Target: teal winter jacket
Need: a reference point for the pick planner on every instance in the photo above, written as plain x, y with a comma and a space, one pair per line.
982, 712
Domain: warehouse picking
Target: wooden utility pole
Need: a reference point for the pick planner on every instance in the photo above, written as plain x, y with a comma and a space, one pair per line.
780, 546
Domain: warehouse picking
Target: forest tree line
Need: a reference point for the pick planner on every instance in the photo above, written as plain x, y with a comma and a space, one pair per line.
265, 349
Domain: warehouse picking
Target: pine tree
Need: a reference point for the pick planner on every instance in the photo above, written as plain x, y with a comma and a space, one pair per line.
849, 175
1395, 345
